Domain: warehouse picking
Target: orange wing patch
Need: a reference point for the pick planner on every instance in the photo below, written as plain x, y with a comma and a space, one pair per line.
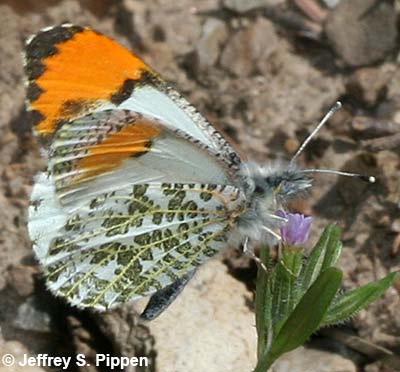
71, 70
134, 140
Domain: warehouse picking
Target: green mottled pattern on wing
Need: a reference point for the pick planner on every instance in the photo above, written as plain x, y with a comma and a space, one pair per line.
127, 244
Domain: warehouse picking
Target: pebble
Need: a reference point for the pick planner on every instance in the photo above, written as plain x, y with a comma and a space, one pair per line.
306, 360
291, 145
20, 277
331, 3
249, 49
362, 32
369, 84
31, 317
208, 47
372, 128
244, 6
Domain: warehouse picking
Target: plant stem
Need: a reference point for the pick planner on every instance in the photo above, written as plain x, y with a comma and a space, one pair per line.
261, 303
263, 364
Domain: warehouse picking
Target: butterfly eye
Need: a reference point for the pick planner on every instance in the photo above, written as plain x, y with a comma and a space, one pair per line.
259, 189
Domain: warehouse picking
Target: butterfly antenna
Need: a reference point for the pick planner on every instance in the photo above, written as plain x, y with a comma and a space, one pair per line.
369, 179
336, 107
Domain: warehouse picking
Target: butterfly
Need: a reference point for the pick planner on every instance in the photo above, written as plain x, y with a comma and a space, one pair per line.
140, 189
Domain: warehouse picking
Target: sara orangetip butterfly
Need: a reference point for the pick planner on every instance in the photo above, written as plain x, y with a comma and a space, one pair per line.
140, 189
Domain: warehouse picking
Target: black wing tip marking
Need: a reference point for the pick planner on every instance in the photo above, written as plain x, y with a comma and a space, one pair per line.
161, 300
42, 45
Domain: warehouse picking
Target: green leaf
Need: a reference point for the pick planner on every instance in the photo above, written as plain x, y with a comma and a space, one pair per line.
285, 285
347, 305
333, 251
308, 314
324, 255
305, 318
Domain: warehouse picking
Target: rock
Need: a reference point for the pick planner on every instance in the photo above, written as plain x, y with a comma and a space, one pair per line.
369, 84
384, 143
362, 32
208, 47
374, 367
83, 342
388, 164
367, 127
18, 351
388, 364
31, 317
395, 226
128, 338
20, 277
305, 360
244, 6
331, 3
249, 49
209, 327
291, 145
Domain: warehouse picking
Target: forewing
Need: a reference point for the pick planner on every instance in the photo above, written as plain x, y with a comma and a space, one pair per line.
72, 71
112, 149
130, 243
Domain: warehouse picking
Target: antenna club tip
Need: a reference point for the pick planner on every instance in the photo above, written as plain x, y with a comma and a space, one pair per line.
337, 106
370, 179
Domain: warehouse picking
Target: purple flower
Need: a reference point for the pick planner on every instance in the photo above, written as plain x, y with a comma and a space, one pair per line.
297, 230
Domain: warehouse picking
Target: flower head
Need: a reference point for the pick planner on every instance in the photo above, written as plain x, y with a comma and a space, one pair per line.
297, 229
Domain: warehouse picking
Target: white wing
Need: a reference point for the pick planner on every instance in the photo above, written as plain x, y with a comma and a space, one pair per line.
127, 207
129, 243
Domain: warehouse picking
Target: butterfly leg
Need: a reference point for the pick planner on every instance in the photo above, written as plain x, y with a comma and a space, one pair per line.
273, 233
250, 252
